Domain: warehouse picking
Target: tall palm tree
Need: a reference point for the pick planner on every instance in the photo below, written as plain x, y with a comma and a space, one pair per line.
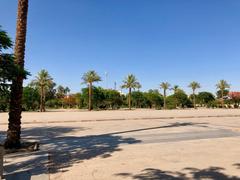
43, 81
165, 86
130, 82
194, 85
89, 78
15, 108
222, 86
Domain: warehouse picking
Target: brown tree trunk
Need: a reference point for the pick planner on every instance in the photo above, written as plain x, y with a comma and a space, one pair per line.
129, 99
90, 97
194, 100
164, 99
44, 100
15, 109
41, 100
222, 98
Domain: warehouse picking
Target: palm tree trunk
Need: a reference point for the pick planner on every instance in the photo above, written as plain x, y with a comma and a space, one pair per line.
44, 100
90, 97
164, 99
15, 109
194, 99
222, 98
129, 99
41, 100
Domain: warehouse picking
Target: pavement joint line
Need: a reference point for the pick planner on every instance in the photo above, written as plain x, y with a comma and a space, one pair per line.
126, 119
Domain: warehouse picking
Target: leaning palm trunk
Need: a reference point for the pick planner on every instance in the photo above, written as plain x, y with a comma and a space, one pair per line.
129, 99
90, 97
15, 109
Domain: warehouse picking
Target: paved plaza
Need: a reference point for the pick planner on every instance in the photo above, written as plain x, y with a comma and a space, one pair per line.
138, 144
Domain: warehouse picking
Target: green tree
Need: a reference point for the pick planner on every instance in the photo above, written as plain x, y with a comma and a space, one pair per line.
178, 99
7, 69
130, 83
154, 99
138, 99
79, 100
205, 98
97, 98
222, 85
61, 93
194, 86
89, 78
42, 82
30, 98
165, 86
112, 99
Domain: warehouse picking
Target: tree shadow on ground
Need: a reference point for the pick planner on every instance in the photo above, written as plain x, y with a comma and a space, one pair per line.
212, 173
172, 125
59, 151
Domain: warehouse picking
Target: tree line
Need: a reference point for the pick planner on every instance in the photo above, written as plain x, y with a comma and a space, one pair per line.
44, 93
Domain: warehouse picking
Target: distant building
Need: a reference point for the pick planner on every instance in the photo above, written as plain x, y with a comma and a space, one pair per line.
234, 95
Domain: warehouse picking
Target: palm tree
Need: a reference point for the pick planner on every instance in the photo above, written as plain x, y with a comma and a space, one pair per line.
130, 82
89, 78
43, 81
165, 86
194, 85
15, 108
222, 86
175, 89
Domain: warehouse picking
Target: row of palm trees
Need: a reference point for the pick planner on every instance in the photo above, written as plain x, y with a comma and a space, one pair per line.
131, 83
222, 85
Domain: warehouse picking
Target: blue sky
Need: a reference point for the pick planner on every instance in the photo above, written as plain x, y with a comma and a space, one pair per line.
159, 40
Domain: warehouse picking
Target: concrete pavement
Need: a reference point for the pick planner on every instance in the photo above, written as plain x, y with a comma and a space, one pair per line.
133, 148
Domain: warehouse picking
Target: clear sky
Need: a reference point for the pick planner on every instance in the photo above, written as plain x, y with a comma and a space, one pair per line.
157, 40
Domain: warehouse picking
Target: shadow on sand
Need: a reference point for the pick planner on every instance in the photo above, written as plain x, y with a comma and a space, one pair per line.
59, 150
212, 173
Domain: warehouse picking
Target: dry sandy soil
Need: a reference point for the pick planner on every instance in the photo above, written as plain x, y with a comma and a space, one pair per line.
139, 144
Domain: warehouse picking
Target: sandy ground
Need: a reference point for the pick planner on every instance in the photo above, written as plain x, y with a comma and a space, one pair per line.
139, 144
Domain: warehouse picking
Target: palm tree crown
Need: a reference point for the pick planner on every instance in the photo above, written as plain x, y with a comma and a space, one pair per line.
194, 85
222, 85
131, 82
165, 85
91, 77
175, 89
43, 79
